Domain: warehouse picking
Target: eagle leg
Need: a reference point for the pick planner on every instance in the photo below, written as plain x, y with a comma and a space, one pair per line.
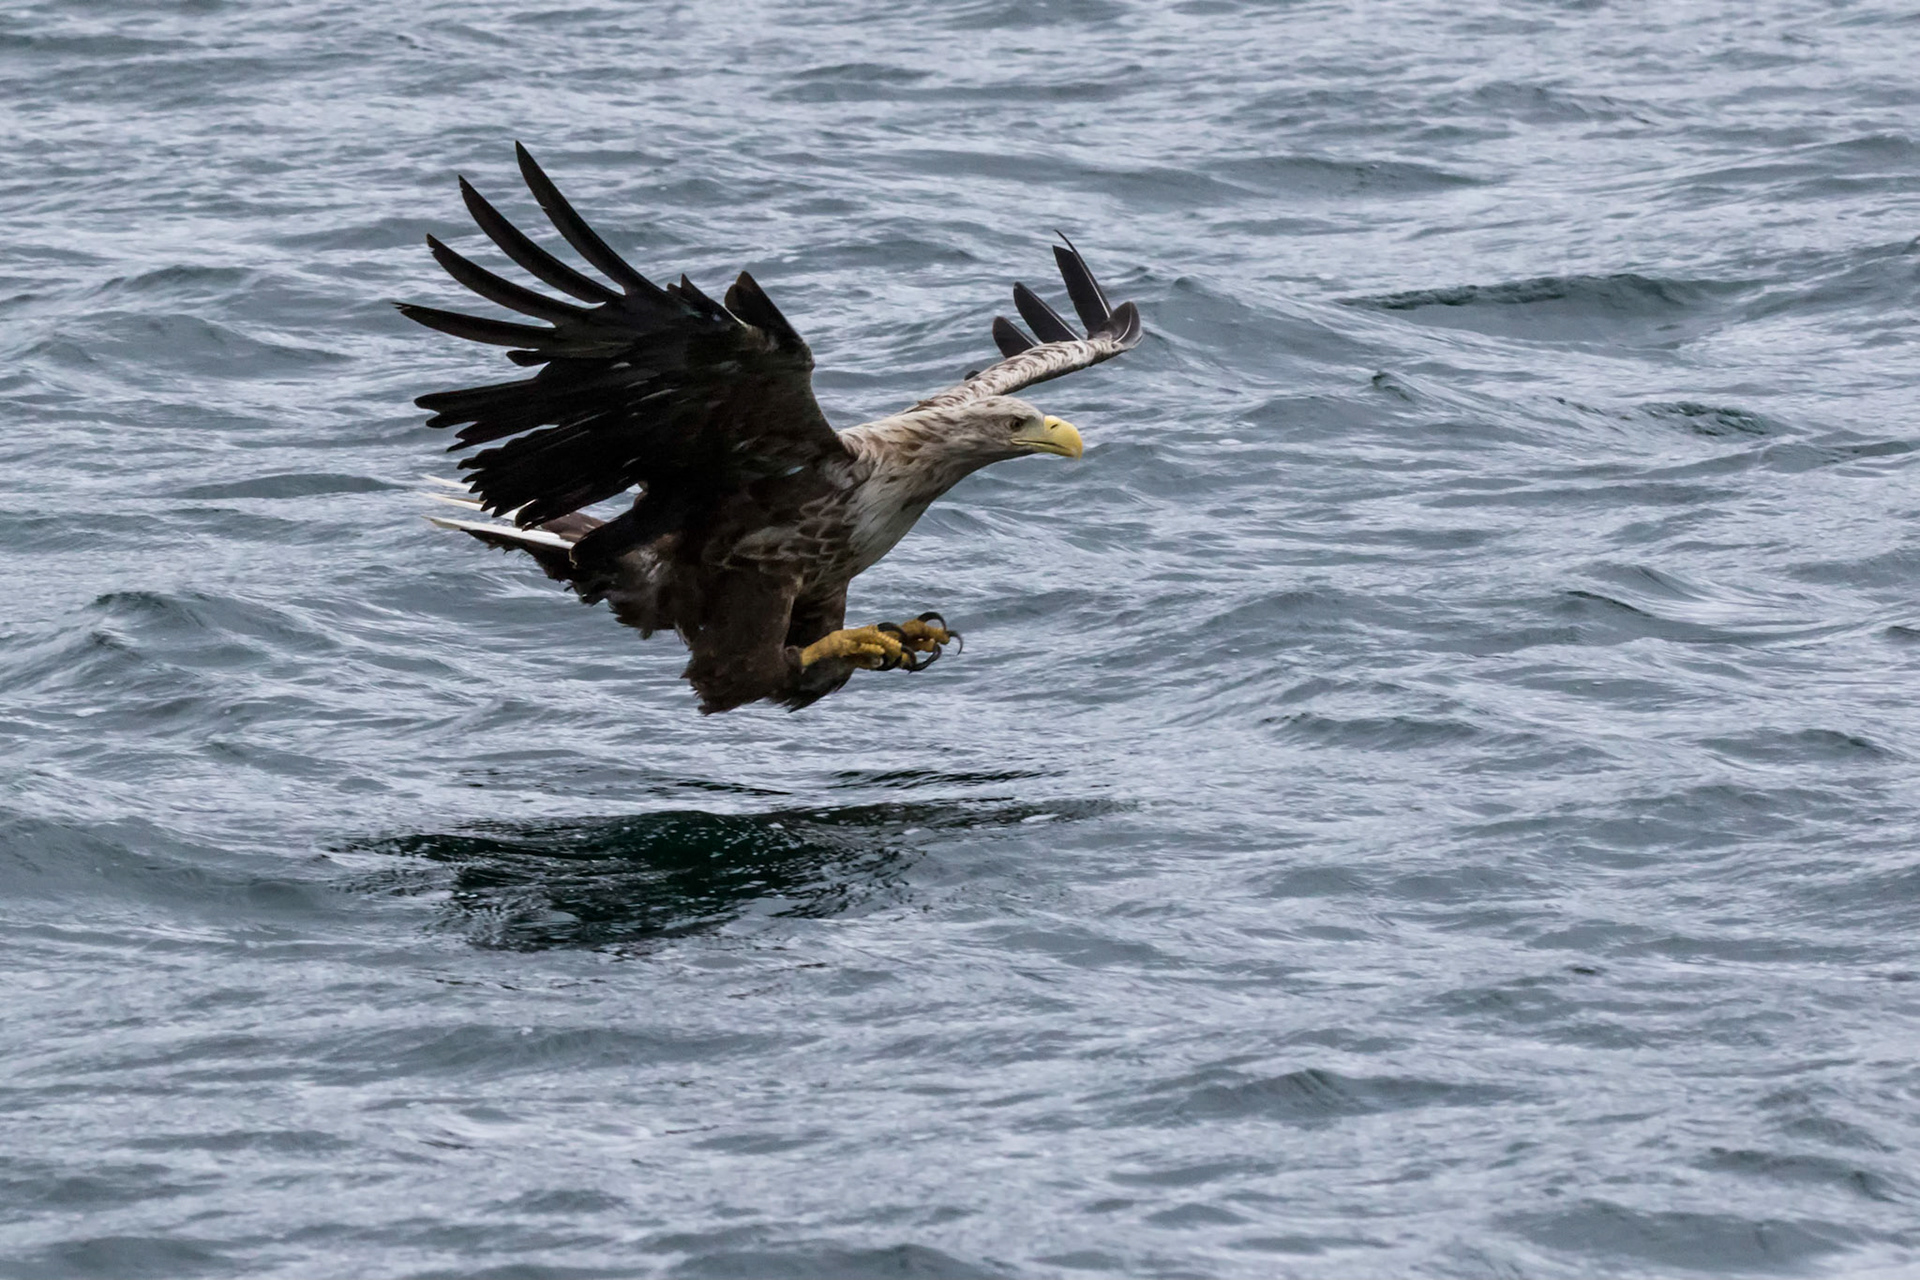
868, 647
884, 646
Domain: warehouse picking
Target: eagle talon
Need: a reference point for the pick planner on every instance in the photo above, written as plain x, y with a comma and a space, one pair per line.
913, 640
885, 646
926, 633
940, 633
903, 657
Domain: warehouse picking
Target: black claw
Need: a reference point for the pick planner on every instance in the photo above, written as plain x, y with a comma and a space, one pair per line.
959, 645
910, 659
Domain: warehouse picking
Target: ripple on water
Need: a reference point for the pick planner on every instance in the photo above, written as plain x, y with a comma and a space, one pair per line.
1688, 1241
1308, 1096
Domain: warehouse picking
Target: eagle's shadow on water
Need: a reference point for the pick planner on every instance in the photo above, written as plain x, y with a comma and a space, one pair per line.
655, 876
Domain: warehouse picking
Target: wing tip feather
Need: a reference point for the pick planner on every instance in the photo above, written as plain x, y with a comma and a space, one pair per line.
1124, 327
1046, 323
1008, 337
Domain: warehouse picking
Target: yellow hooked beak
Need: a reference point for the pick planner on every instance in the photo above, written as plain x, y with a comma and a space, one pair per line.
1053, 435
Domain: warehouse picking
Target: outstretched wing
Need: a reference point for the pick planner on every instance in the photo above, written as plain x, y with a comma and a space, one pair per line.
1059, 350
642, 385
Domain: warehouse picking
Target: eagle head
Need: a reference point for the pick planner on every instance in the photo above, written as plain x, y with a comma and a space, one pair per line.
920, 454
995, 428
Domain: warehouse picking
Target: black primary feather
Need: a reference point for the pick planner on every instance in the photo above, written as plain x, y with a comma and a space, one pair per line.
749, 302
1060, 349
1089, 300
537, 262
1041, 318
498, 333
1007, 336
574, 229
505, 292
1124, 326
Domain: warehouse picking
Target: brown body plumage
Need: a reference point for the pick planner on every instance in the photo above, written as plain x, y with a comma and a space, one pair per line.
753, 514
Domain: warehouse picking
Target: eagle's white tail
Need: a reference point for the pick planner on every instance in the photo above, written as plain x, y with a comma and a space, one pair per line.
504, 532
494, 531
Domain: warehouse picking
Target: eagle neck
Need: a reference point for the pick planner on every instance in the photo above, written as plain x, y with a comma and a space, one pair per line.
912, 459
919, 456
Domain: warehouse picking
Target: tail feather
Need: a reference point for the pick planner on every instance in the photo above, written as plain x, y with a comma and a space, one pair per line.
631, 581
504, 535
550, 546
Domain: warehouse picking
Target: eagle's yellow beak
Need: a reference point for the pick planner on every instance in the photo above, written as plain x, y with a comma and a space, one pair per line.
1054, 435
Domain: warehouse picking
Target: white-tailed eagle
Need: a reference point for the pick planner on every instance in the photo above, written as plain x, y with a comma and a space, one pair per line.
753, 513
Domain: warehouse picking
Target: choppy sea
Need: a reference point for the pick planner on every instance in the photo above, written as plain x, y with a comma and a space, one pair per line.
1434, 792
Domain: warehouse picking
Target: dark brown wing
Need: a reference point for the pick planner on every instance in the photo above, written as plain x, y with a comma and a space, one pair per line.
1058, 349
642, 385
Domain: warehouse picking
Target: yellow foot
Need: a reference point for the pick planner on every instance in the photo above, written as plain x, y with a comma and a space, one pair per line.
926, 633
868, 647
884, 646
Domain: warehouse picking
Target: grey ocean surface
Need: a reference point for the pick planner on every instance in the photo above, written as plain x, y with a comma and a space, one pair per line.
1434, 791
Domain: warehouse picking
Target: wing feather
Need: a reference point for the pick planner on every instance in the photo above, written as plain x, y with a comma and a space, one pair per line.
1007, 336
534, 260
574, 230
1089, 300
1041, 318
498, 333
747, 300
508, 294
1059, 351
660, 388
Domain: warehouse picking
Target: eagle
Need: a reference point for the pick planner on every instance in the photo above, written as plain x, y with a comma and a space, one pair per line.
751, 513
